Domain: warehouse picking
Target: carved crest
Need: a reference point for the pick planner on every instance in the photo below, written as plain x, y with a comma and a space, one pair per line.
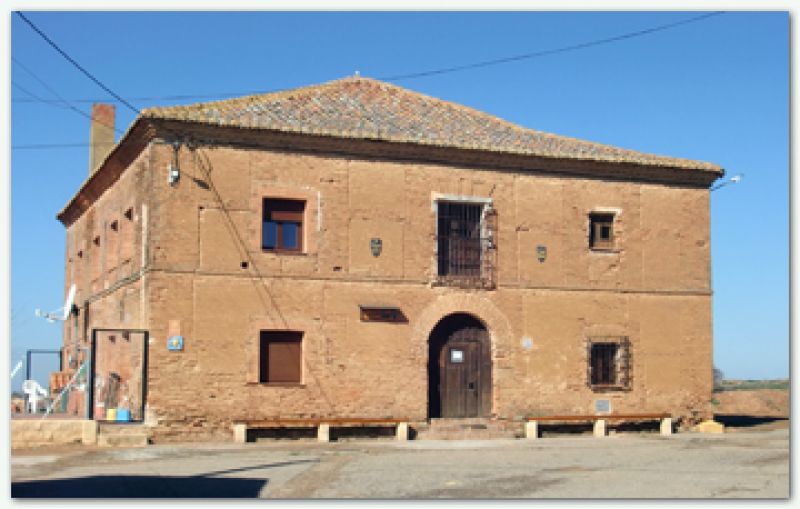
376, 245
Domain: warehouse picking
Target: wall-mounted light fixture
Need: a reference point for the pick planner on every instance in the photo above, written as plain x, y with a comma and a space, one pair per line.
733, 180
174, 170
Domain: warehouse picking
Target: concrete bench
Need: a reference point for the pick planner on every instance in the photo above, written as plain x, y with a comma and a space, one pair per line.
323, 426
532, 424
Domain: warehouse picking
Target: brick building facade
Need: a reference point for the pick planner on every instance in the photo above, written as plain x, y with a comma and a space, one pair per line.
355, 249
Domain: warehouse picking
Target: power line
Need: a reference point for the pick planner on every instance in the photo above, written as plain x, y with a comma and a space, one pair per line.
76, 64
36, 97
421, 74
554, 51
168, 97
399, 77
34, 146
61, 101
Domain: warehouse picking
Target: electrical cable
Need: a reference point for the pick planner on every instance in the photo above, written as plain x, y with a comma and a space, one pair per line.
76, 64
446, 70
36, 98
61, 101
554, 51
36, 146
398, 77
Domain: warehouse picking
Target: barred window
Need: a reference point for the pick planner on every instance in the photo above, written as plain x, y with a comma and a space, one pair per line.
465, 248
601, 231
609, 363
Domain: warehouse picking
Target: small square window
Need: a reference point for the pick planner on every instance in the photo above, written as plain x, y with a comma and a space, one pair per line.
282, 225
281, 357
456, 356
601, 231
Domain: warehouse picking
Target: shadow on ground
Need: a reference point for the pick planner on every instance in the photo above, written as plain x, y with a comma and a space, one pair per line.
139, 486
746, 421
149, 486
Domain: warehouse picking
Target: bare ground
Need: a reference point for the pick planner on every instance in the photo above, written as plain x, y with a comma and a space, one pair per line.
752, 410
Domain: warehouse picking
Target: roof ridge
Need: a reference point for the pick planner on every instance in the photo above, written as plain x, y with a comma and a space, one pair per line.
148, 112
412, 117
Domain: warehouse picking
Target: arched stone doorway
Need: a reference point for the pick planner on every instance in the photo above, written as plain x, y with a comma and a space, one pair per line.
459, 368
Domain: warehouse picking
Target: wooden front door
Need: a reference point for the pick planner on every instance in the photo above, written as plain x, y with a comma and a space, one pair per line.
465, 374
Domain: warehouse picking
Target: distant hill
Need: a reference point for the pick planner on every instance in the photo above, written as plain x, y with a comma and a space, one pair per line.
750, 385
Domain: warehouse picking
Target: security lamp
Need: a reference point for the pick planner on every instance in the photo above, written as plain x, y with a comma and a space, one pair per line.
174, 170
733, 180
173, 174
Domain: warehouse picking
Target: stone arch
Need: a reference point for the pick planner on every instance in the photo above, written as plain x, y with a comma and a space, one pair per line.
474, 304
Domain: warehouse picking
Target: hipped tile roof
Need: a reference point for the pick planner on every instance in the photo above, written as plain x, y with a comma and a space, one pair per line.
364, 108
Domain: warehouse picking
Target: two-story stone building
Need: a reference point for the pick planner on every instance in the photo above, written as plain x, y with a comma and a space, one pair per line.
356, 249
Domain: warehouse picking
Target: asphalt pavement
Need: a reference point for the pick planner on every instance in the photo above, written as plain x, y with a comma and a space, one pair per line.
748, 465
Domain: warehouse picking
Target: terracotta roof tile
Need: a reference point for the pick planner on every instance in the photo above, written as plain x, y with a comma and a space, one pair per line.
364, 108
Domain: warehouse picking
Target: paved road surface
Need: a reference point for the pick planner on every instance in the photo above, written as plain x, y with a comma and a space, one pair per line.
688, 465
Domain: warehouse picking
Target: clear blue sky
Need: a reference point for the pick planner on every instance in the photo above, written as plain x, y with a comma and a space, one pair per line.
713, 90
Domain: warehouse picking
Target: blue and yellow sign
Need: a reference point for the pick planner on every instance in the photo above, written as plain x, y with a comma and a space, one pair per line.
175, 343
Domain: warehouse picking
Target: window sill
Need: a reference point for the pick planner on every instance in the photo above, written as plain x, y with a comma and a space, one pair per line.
465, 282
284, 253
609, 388
297, 385
605, 250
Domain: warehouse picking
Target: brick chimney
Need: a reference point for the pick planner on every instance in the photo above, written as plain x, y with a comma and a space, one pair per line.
101, 136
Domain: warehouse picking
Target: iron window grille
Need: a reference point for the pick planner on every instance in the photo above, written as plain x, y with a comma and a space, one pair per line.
601, 231
465, 249
609, 363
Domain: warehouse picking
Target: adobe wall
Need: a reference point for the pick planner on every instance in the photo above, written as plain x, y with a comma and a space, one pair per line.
371, 369
104, 258
662, 245
212, 284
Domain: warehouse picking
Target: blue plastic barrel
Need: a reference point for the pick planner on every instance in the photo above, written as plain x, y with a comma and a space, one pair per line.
123, 415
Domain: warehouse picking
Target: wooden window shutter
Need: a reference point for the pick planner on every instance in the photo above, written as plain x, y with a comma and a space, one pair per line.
280, 357
284, 361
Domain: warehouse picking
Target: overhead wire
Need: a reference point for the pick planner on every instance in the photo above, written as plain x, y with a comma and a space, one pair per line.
50, 145
398, 77
548, 52
218, 197
76, 64
61, 101
170, 97
35, 97
445, 70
